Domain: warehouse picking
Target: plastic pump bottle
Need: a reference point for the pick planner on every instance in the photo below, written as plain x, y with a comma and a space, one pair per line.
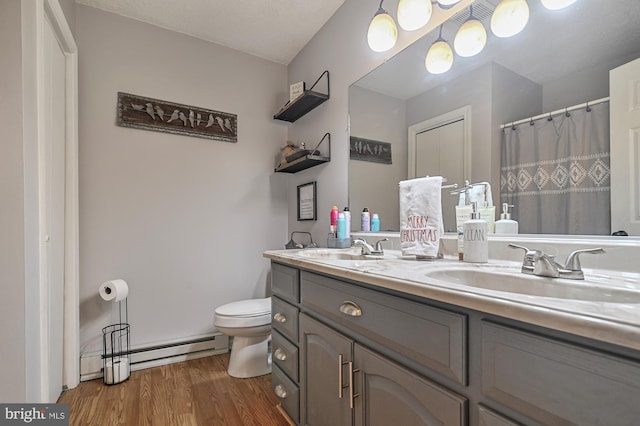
476, 240
506, 225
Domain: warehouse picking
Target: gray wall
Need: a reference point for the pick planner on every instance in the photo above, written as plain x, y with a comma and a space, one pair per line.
12, 263
374, 185
341, 47
183, 220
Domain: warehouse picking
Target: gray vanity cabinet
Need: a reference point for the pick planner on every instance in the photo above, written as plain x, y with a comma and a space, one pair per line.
345, 383
285, 298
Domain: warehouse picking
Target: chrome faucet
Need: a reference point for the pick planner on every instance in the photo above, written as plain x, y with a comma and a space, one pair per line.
367, 248
536, 262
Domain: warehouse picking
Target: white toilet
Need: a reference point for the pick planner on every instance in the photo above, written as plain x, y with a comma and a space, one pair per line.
249, 322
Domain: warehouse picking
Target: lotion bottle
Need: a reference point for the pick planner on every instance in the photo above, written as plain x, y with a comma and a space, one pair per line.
476, 242
375, 223
506, 225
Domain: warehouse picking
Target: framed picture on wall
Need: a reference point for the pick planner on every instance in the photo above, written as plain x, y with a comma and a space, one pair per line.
307, 201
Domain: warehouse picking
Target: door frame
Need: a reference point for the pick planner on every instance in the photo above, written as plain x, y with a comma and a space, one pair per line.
33, 15
463, 113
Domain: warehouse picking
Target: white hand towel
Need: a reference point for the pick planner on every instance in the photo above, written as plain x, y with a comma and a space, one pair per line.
421, 216
479, 193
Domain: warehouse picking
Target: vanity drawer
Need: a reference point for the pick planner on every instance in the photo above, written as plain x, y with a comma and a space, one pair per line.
285, 355
553, 382
432, 337
287, 392
284, 318
285, 282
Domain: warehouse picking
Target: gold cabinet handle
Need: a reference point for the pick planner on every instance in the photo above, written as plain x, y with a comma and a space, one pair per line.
280, 391
352, 394
280, 355
350, 308
280, 317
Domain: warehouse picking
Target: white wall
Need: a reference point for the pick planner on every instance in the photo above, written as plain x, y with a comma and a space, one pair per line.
183, 220
13, 386
340, 47
374, 185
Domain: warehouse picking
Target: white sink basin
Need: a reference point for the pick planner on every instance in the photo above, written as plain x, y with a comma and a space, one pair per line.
531, 285
337, 254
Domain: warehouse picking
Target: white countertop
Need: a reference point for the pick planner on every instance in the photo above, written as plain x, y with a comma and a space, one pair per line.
607, 321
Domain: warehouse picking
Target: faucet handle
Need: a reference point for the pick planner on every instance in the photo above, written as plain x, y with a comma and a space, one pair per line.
529, 255
573, 260
379, 245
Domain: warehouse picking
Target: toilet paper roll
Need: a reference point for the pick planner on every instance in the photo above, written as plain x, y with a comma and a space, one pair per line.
114, 290
116, 370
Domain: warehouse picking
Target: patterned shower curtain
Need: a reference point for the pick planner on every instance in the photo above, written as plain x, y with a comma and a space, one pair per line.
556, 172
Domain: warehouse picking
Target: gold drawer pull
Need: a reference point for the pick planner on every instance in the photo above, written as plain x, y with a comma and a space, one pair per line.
280, 354
280, 317
280, 391
351, 309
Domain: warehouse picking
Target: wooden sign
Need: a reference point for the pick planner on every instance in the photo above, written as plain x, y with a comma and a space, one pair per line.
369, 150
139, 112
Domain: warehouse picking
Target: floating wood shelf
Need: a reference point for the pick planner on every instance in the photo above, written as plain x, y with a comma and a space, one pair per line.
305, 159
304, 103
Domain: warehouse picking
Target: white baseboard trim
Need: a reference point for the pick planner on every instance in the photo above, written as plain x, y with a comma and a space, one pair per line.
159, 354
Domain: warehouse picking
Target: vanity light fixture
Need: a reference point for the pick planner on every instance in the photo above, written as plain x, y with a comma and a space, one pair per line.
471, 37
509, 18
446, 4
557, 4
440, 56
383, 33
414, 14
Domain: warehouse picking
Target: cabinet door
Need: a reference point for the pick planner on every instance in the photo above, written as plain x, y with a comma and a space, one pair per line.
393, 395
324, 381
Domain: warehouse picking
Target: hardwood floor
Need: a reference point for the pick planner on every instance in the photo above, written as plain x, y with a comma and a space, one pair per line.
197, 392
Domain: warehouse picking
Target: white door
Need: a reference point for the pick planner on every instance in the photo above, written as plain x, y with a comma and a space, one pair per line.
440, 152
624, 86
52, 212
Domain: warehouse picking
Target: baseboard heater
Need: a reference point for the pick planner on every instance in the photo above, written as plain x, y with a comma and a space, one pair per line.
159, 354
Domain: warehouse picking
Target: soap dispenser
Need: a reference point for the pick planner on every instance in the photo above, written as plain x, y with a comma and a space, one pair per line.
506, 225
476, 240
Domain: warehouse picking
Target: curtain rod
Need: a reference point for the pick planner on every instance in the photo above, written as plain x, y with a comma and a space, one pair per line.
556, 112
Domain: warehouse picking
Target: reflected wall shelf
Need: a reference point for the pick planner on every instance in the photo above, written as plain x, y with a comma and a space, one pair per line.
304, 103
305, 159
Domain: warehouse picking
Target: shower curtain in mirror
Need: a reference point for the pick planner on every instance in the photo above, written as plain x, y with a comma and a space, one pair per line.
557, 173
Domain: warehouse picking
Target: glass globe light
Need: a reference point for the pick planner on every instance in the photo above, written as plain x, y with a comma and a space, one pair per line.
446, 4
557, 4
414, 14
439, 58
470, 38
509, 18
383, 33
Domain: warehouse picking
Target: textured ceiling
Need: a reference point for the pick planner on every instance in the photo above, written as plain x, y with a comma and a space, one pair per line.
273, 30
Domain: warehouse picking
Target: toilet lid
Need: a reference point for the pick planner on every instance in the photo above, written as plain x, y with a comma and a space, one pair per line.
246, 308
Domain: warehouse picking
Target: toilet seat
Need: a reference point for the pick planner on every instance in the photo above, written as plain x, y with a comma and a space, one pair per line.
244, 313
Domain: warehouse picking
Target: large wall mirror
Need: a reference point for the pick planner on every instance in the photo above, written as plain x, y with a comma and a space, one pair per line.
562, 58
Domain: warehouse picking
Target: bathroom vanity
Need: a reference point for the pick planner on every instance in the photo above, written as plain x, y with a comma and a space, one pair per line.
393, 341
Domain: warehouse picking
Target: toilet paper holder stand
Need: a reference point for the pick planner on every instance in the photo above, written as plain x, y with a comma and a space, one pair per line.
116, 355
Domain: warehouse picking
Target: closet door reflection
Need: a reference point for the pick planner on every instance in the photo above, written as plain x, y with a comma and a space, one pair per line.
440, 152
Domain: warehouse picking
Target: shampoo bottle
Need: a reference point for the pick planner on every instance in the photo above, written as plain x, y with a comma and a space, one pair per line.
375, 223
506, 225
334, 219
365, 225
476, 242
